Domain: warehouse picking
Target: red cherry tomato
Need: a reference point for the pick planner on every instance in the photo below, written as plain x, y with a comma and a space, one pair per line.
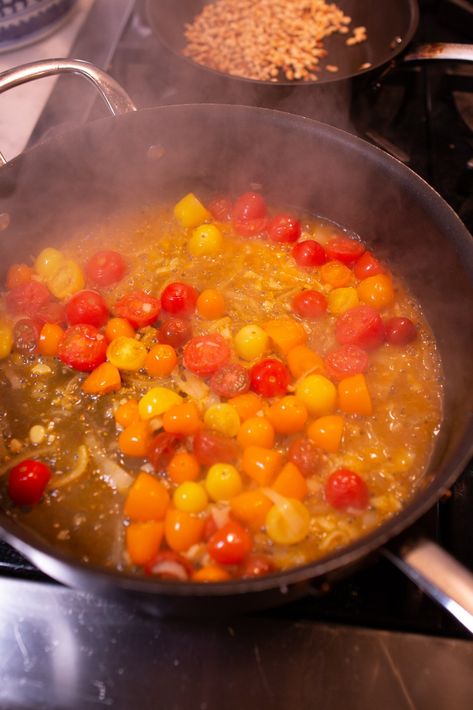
213, 447
257, 566
249, 215
249, 206
26, 335
229, 545
179, 299
270, 378
304, 454
362, 326
175, 332
82, 347
52, 312
345, 361
309, 253
87, 307
309, 304
284, 228
232, 379
367, 265
27, 298
400, 331
251, 227
161, 449
169, 565
105, 268
206, 354
345, 250
27, 481
139, 308
345, 489
221, 209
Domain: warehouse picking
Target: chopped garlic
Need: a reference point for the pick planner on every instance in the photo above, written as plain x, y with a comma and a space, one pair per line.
37, 434
41, 369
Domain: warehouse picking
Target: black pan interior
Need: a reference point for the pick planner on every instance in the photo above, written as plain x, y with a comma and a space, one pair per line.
390, 26
73, 182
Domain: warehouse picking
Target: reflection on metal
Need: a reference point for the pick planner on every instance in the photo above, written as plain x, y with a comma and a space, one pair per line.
439, 575
114, 96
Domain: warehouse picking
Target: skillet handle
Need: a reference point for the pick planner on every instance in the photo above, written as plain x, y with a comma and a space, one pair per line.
439, 575
440, 50
112, 93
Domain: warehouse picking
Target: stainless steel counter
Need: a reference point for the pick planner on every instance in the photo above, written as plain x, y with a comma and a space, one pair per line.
61, 648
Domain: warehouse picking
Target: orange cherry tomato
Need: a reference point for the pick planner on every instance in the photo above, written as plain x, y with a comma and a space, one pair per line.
182, 530
182, 419
211, 573
256, 431
135, 439
288, 415
210, 304
161, 360
116, 327
148, 499
127, 413
247, 405
183, 467
49, 338
105, 378
18, 274
376, 291
336, 274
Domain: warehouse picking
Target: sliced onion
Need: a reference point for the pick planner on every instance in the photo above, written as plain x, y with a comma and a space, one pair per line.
78, 470
114, 475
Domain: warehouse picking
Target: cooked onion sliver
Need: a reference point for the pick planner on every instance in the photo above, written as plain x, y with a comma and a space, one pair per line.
76, 473
111, 473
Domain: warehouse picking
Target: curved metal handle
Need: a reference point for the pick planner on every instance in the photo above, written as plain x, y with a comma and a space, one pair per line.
440, 50
440, 576
112, 93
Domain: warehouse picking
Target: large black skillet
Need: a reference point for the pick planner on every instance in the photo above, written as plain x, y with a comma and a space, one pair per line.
390, 25
77, 179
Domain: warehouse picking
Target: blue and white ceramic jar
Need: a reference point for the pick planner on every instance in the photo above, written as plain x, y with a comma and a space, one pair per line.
25, 21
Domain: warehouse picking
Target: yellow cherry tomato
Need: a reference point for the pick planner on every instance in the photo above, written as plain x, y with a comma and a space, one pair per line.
157, 401
318, 394
206, 240
190, 497
287, 523
223, 418
190, 212
223, 481
6, 339
250, 342
126, 353
48, 262
341, 299
67, 280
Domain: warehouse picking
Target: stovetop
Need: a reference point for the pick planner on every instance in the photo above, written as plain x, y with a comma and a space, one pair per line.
422, 114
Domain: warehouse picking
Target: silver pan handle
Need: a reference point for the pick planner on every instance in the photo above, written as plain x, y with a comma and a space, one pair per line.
440, 50
112, 93
440, 576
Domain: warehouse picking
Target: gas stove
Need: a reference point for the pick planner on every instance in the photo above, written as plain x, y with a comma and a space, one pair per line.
415, 654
